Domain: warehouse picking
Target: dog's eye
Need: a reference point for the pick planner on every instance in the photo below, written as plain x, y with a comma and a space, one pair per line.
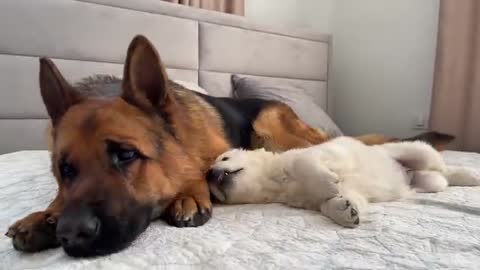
224, 158
67, 170
124, 156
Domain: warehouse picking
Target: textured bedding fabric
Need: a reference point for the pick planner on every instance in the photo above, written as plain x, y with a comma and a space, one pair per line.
430, 231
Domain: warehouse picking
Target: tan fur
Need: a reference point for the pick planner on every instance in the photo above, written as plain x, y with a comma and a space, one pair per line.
373, 139
277, 128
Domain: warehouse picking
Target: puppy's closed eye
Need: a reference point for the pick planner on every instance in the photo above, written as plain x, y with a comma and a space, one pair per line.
224, 158
232, 172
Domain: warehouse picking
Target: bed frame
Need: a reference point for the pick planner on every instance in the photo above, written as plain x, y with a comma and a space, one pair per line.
91, 36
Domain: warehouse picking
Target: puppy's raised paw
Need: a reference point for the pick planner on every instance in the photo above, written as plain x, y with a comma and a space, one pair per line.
342, 211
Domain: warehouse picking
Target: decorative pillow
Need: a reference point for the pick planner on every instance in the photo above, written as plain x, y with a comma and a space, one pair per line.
191, 86
110, 85
292, 95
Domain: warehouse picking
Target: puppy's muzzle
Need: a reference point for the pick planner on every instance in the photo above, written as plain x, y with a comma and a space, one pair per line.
215, 179
219, 181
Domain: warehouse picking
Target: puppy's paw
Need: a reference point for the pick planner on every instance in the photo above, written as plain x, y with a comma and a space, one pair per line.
333, 177
320, 183
328, 190
342, 211
35, 232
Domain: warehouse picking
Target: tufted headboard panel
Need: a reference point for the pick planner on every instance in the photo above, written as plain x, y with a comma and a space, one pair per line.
91, 36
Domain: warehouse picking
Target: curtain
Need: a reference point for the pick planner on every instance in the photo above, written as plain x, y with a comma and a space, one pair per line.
236, 7
456, 91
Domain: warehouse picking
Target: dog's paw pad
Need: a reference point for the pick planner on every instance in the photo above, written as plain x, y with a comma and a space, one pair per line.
347, 204
33, 233
187, 212
351, 216
197, 219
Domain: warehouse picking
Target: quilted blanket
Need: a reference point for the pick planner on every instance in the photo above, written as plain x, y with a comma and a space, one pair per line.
429, 231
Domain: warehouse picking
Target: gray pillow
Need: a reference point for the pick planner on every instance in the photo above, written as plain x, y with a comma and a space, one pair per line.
290, 94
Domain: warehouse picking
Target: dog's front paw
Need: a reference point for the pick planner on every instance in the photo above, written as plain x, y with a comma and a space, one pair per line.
342, 211
35, 232
189, 212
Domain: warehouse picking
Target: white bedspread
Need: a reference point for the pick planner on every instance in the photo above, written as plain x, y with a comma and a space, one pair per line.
430, 231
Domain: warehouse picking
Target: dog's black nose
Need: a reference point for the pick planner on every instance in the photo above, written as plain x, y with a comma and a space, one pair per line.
78, 228
215, 175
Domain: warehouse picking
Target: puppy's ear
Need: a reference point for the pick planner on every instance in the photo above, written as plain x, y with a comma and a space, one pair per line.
57, 94
144, 77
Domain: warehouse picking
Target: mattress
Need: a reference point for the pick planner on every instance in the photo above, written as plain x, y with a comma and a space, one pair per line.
429, 231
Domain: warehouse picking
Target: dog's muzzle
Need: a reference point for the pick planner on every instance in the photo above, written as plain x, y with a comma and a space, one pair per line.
77, 230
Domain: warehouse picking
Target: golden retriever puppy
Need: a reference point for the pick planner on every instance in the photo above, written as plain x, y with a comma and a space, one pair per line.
338, 178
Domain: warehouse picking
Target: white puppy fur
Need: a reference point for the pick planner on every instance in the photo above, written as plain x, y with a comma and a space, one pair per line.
338, 178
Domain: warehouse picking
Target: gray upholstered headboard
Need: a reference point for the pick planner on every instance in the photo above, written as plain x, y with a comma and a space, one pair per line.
91, 36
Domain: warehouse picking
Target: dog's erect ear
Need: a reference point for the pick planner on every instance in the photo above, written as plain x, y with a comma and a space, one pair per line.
57, 94
144, 77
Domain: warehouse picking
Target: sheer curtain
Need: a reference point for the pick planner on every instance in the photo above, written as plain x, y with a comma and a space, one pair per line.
456, 93
236, 7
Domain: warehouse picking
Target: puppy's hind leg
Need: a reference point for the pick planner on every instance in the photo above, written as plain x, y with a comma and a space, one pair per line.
428, 181
460, 176
416, 155
431, 174
433, 181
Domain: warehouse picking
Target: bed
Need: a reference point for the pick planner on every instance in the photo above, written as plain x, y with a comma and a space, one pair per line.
429, 231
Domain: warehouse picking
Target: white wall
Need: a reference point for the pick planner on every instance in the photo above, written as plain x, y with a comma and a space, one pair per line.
383, 62
313, 14
383, 56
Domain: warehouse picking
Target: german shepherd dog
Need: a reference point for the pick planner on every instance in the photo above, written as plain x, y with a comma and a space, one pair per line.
120, 162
